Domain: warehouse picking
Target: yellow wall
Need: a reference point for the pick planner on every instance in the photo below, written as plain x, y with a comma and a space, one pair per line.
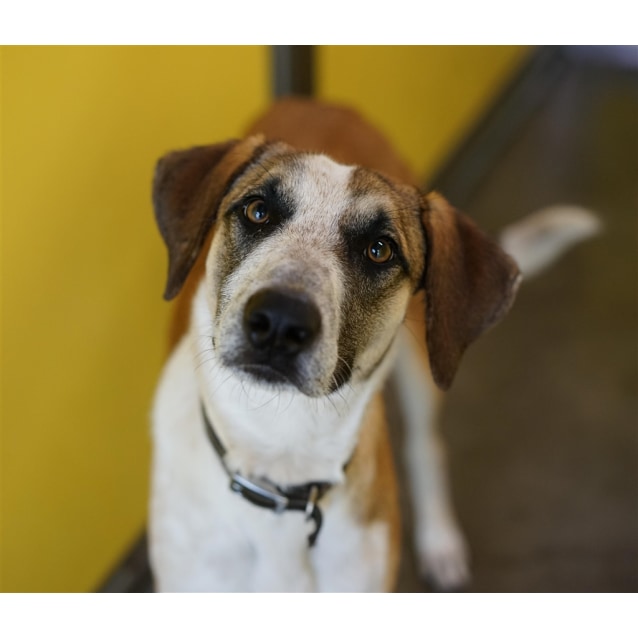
83, 323
425, 98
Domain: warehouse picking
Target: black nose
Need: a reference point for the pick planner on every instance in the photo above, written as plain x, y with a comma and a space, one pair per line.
280, 322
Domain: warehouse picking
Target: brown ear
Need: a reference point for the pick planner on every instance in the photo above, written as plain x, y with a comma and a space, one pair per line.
470, 284
187, 190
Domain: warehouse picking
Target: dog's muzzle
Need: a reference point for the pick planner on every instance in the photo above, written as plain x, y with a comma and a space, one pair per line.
279, 326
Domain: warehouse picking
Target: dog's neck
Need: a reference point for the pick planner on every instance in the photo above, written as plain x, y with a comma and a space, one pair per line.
283, 435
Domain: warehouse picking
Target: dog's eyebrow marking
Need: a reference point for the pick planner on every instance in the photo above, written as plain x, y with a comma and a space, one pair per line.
369, 225
273, 193
374, 223
377, 223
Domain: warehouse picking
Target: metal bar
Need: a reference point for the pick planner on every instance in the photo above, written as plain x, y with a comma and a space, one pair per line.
293, 70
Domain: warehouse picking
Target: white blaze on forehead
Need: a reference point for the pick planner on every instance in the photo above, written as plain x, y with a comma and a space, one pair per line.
323, 192
319, 189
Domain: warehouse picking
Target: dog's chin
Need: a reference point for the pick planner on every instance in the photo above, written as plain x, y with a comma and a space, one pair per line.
263, 373
267, 376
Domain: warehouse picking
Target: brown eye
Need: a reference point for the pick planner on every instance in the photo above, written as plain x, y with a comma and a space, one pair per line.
256, 212
380, 251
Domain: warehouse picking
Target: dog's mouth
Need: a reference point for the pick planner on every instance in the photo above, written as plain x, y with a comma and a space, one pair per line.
264, 372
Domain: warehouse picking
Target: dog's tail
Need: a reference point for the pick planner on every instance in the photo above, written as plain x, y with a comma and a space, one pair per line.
538, 240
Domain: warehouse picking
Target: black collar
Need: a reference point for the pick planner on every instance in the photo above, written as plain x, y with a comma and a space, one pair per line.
265, 493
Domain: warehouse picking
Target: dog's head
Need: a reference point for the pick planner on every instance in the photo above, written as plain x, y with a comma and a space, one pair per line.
312, 263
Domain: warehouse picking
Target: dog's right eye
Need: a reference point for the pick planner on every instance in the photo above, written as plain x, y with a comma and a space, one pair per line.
256, 212
380, 251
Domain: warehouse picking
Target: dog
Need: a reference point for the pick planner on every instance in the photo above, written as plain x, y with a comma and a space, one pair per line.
308, 270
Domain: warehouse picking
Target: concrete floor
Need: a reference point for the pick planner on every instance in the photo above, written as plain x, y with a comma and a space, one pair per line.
541, 423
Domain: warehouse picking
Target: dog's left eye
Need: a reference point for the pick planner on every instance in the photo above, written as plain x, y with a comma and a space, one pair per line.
380, 251
256, 212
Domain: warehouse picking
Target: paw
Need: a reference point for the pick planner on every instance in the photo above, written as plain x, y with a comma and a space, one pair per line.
443, 558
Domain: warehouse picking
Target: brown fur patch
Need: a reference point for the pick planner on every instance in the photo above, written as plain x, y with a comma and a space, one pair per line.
336, 131
372, 481
183, 304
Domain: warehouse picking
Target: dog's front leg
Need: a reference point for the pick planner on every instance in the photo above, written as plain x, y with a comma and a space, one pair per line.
439, 542
282, 561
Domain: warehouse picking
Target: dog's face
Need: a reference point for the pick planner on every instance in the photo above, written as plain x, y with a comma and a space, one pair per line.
312, 264
311, 270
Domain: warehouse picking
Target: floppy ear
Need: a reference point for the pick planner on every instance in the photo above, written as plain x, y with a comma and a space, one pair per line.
470, 284
187, 190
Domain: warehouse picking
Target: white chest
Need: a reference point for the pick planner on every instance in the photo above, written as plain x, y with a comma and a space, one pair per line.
204, 537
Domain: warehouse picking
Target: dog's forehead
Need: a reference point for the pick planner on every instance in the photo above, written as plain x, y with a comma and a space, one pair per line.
316, 181
319, 188
318, 196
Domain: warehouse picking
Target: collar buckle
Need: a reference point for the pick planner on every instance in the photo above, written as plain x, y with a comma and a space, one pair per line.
313, 497
260, 492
